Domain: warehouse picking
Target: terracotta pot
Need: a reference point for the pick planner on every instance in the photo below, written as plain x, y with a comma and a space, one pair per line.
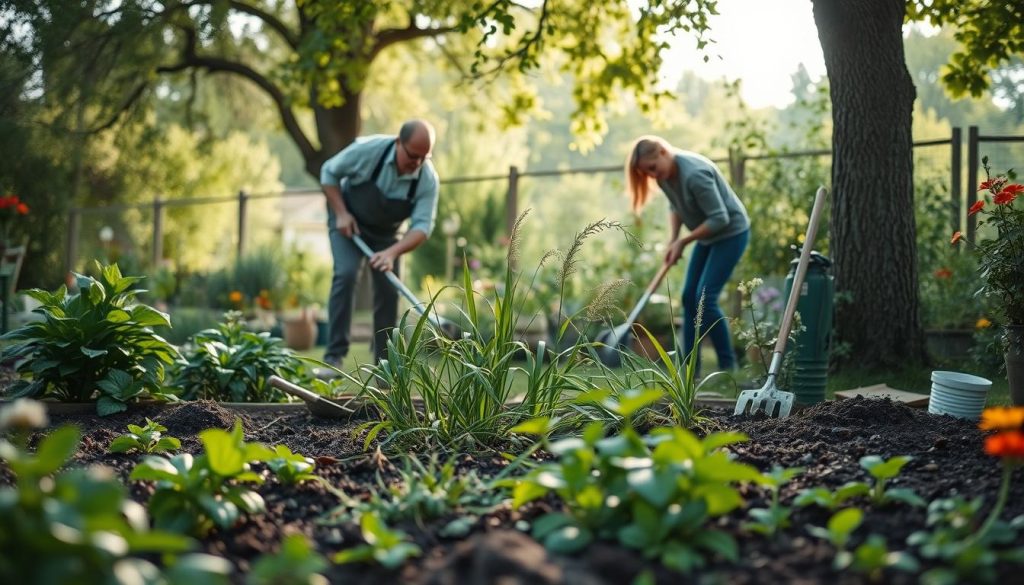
300, 332
1014, 357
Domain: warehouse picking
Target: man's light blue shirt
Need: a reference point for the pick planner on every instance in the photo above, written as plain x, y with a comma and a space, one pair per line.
356, 162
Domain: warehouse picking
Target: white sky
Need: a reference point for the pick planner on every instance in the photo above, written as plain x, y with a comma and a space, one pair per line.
761, 41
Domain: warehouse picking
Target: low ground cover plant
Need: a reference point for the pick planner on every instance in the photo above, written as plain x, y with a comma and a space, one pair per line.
96, 345
148, 439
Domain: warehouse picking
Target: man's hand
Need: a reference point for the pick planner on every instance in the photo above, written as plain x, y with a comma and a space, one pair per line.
384, 260
674, 251
346, 224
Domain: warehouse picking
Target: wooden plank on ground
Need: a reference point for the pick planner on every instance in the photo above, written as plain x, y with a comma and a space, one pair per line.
883, 391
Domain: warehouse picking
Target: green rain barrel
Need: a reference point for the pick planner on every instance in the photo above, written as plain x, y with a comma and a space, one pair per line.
812, 344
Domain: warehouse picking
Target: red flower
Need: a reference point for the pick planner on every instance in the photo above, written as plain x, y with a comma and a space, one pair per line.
1008, 444
957, 236
976, 207
1008, 194
943, 273
992, 184
23, 209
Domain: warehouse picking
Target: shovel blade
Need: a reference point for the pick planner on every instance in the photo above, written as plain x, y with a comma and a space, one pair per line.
774, 403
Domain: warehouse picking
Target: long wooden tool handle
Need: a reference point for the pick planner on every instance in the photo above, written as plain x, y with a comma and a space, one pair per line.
293, 389
801, 270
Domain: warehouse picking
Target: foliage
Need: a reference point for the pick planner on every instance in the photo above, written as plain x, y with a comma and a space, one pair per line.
870, 558
296, 564
882, 470
828, 499
657, 494
291, 468
383, 545
948, 292
95, 343
80, 523
950, 540
148, 439
766, 306
194, 494
231, 364
423, 493
775, 517
466, 384
1001, 257
11, 208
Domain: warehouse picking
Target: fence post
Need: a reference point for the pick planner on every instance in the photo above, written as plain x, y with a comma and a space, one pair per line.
972, 178
955, 176
512, 199
158, 231
243, 213
74, 228
737, 169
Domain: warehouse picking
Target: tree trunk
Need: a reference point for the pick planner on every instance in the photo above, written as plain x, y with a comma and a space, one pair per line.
872, 223
336, 128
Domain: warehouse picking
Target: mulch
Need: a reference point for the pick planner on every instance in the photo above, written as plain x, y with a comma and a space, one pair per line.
827, 440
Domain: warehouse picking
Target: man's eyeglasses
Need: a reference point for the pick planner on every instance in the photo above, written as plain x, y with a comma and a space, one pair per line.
415, 158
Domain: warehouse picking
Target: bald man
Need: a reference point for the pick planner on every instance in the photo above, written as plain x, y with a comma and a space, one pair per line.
372, 187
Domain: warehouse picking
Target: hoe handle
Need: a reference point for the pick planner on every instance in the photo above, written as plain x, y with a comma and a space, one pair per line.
801, 270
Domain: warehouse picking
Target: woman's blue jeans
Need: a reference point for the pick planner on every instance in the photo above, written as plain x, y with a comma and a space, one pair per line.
711, 265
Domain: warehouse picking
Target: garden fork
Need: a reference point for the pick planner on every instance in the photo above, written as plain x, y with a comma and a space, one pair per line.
769, 398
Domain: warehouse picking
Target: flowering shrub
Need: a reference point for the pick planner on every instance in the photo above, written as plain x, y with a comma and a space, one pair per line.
11, 208
1001, 258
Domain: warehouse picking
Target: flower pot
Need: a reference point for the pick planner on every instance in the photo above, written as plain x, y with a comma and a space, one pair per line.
1014, 357
300, 331
958, 394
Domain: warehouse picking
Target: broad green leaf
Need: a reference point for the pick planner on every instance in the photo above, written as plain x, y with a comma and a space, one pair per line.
155, 469
540, 426
842, 524
630, 403
905, 495
718, 542
123, 444
717, 440
657, 487
106, 406
681, 557
568, 539
56, 449
223, 455
548, 523
881, 469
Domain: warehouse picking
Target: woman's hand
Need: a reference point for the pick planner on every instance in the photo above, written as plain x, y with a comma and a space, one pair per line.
674, 251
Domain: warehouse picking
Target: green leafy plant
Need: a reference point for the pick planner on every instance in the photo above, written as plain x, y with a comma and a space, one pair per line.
297, 563
657, 494
457, 393
831, 500
870, 558
953, 540
291, 468
194, 494
97, 344
757, 330
147, 439
882, 470
79, 524
232, 364
775, 517
424, 492
387, 547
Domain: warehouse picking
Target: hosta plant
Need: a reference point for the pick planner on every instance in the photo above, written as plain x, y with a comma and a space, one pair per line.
96, 344
232, 364
148, 439
194, 494
658, 494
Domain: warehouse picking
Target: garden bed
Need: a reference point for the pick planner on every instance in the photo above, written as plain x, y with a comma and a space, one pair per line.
827, 440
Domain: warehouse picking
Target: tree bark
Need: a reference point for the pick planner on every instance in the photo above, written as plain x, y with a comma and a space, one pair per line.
872, 221
336, 128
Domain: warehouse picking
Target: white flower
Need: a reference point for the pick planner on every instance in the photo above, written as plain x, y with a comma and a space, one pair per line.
23, 414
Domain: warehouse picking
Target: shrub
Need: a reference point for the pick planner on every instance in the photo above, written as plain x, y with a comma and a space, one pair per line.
97, 344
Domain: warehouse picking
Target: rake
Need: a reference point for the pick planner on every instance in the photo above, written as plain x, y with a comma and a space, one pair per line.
769, 398
609, 352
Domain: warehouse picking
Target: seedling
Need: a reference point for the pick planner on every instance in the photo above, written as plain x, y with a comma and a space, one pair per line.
770, 520
148, 439
193, 494
883, 470
296, 564
831, 500
871, 558
383, 545
840, 526
291, 468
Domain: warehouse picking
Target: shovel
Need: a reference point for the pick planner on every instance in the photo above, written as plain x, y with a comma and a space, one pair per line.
316, 404
611, 338
450, 329
769, 399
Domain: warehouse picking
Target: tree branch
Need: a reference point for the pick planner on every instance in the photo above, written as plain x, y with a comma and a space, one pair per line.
391, 36
272, 22
191, 59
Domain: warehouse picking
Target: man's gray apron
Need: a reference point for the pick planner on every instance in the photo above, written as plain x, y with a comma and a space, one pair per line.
379, 218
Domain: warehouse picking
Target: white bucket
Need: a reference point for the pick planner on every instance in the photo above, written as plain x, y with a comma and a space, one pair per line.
958, 394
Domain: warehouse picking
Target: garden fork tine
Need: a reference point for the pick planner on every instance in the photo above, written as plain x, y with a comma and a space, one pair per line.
769, 397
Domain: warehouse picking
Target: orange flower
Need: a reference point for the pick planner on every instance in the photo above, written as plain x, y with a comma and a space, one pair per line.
957, 236
978, 206
22, 209
1002, 418
235, 296
983, 323
943, 273
1009, 444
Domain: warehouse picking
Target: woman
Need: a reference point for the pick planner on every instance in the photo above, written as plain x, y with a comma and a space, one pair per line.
699, 198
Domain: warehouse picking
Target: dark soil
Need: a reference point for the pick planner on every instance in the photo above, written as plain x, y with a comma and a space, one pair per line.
827, 440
